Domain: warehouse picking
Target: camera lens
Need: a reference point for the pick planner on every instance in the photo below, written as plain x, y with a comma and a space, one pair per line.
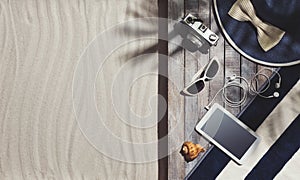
190, 20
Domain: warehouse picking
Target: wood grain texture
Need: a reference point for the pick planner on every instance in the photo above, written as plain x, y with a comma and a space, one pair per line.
41, 43
194, 62
218, 51
232, 66
191, 103
248, 70
190, 62
176, 166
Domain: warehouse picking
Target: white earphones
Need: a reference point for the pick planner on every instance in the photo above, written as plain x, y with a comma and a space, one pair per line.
232, 82
247, 87
259, 92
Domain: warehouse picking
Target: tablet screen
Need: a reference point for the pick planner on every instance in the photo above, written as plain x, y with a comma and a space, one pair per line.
228, 133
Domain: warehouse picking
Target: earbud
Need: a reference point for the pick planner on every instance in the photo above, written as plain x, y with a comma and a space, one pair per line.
276, 85
276, 94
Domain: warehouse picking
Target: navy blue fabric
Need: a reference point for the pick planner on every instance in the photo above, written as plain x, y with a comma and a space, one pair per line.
283, 14
253, 116
279, 154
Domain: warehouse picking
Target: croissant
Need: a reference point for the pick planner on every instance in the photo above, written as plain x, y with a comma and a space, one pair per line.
190, 150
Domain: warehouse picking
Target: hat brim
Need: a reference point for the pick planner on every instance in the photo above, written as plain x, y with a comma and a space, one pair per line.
243, 38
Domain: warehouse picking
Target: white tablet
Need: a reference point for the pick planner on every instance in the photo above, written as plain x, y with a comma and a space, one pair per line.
228, 133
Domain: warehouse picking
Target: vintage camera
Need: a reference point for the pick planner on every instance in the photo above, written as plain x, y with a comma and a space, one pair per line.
200, 31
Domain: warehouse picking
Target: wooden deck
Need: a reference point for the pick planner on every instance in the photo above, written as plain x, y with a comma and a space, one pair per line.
182, 65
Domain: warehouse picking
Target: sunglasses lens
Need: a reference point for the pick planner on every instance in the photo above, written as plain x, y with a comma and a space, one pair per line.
196, 87
212, 69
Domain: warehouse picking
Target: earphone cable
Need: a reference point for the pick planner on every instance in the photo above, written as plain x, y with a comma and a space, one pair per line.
249, 87
226, 99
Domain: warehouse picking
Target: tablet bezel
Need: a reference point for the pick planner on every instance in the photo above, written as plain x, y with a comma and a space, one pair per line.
207, 116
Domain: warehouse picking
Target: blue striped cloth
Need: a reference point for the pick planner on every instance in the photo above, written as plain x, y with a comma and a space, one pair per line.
278, 154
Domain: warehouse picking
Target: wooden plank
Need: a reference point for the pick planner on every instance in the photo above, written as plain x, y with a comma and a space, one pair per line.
232, 66
194, 62
203, 97
262, 79
176, 168
218, 51
191, 67
248, 70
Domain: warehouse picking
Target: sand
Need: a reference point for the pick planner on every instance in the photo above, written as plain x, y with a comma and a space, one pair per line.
41, 44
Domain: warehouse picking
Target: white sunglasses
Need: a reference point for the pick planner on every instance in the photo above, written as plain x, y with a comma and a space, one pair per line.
203, 75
